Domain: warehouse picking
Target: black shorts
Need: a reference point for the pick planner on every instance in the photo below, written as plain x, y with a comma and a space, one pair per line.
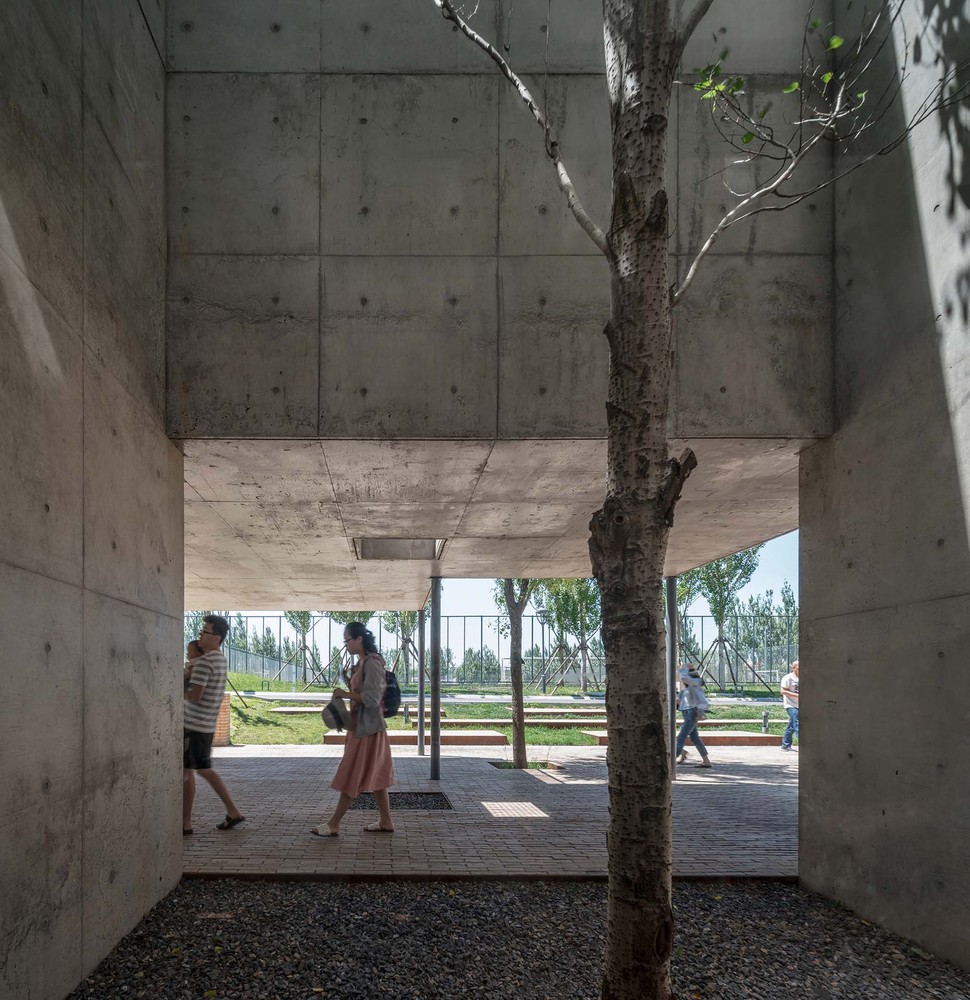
196, 750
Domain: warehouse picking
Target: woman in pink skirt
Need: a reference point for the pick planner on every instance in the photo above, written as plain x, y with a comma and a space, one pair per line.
366, 765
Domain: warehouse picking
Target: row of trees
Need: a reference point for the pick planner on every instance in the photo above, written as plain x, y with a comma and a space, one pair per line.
569, 608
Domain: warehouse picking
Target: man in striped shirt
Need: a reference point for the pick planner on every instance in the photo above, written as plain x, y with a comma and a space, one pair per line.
203, 698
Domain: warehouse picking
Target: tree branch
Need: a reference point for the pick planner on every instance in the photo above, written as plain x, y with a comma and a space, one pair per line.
552, 143
693, 20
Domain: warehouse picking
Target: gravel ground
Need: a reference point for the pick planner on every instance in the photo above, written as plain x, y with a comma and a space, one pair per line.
401, 801
229, 939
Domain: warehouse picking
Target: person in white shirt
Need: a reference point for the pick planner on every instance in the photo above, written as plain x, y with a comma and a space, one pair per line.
693, 703
789, 692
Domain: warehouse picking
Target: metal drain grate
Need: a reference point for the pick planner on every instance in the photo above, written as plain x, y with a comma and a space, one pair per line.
403, 801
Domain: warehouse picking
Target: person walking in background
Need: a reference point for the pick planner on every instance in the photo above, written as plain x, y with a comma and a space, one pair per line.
693, 703
203, 698
789, 692
366, 765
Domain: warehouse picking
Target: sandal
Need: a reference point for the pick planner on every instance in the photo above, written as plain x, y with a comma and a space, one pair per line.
318, 831
228, 823
377, 828
703, 765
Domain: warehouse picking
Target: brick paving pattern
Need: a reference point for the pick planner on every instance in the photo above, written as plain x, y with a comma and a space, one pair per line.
738, 819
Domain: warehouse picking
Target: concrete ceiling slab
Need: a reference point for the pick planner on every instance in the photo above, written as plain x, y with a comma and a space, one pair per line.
258, 470
409, 520
405, 471
271, 524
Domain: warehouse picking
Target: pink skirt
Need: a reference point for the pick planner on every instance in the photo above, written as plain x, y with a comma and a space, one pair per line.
366, 765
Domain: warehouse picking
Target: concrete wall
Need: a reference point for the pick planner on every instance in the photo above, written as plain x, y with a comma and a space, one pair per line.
885, 565
91, 546
367, 240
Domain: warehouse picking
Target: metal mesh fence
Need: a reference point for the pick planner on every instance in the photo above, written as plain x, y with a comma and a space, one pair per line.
747, 654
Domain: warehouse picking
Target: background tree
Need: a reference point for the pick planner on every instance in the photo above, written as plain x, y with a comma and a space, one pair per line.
546, 611
644, 42
789, 608
266, 644
404, 624
688, 590
479, 666
238, 635
572, 607
512, 596
301, 623
720, 582
192, 624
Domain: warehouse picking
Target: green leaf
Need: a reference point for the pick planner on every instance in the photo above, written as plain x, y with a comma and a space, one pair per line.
762, 113
862, 95
709, 95
791, 88
817, 22
738, 85
836, 42
747, 137
827, 78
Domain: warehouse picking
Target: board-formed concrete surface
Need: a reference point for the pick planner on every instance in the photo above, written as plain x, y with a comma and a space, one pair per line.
91, 551
738, 819
274, 523
368, 248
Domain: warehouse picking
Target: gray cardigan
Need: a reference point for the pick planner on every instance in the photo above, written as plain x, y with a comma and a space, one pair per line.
368, 717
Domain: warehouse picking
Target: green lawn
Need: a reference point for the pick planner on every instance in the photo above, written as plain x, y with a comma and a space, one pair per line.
258, 725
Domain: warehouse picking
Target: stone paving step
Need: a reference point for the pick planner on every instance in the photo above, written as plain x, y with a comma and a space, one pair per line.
724, 738
562, 712
468, 738
551, 723
316, 709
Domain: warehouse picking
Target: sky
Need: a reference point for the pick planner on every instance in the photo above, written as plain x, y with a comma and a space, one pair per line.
779, 562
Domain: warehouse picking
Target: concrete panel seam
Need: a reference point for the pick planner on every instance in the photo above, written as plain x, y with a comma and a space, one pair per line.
39, 293
892, 607
131, 604
357, 72
151, 34
319, 210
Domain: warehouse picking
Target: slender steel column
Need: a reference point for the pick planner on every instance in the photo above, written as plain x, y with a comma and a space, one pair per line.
672, 649
421, 683
435, 678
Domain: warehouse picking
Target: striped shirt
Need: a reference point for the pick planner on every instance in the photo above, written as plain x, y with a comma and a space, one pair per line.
208, 671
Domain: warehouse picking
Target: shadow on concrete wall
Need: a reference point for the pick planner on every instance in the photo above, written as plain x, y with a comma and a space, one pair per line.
946, 45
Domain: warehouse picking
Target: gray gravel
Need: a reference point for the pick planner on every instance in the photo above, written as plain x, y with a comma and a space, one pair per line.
230, 939
402, 801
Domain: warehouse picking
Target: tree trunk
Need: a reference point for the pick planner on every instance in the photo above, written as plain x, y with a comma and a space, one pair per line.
629, 535
583, 680
515, 609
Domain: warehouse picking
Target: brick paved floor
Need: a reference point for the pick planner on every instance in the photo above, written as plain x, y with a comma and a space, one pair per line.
738, 819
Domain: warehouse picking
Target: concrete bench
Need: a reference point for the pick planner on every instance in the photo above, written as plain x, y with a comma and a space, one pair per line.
551, 723
562, 712
397, 737
718, 738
